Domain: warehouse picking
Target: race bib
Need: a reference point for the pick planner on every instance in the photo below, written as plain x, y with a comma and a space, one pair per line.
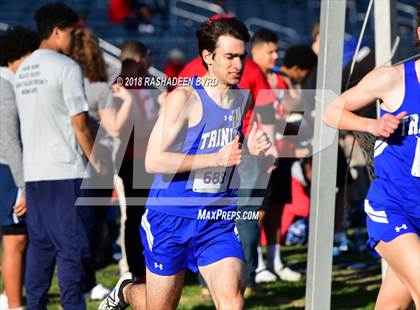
211, 180
415, 169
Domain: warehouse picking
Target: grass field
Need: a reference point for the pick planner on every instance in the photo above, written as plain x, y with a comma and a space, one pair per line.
356, 280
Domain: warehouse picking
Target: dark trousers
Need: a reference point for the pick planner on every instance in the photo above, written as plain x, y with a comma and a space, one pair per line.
101, 241
249, 234
132, 240
58, 231
249, 231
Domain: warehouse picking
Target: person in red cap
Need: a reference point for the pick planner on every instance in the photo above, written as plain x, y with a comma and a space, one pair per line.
264, 49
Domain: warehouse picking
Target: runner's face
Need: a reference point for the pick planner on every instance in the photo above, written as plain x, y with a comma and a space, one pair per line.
228, 60
266, 55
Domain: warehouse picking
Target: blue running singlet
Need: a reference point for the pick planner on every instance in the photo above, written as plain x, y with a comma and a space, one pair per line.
397, 158
184, 194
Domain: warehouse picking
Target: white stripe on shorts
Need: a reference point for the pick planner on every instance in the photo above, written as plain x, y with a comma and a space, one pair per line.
146, 226
376, 216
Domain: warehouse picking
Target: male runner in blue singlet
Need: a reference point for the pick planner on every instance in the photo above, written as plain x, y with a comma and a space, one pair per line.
393, 202
192, 151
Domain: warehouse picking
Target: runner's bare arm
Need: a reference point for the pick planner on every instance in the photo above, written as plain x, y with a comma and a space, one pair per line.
375, 85
174, 116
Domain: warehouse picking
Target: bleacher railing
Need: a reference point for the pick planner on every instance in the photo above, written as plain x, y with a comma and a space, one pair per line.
187, 14
287, 36
290, 33
409, 15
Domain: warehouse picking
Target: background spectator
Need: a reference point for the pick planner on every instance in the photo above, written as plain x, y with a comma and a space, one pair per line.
102, 111
15, 45
55, 133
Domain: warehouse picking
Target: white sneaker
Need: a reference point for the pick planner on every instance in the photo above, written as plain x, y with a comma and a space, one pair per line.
99, 292
265, 276
260, 268
4, 304
287, 274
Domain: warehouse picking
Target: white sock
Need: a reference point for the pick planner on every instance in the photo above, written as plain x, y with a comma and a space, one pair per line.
278, 264
261, 264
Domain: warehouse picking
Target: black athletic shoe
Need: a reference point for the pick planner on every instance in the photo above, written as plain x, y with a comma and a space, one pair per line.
115, 299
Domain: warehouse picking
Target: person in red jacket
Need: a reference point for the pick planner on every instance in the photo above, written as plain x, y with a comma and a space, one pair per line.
264, 49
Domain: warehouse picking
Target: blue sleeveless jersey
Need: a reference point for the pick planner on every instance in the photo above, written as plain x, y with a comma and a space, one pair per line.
397, 158
184, 194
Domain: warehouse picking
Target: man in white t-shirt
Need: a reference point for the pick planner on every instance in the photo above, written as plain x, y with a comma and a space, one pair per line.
56, 142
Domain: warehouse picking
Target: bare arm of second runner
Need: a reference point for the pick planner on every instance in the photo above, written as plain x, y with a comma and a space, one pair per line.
375, 85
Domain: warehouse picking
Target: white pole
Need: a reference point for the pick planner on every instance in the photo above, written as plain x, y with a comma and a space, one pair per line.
321, 226
384, 11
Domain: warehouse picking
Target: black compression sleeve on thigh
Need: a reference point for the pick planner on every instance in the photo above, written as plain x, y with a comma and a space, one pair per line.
268, 115
14, 229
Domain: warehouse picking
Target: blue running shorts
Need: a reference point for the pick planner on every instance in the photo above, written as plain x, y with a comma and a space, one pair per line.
386, 225
173, 243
